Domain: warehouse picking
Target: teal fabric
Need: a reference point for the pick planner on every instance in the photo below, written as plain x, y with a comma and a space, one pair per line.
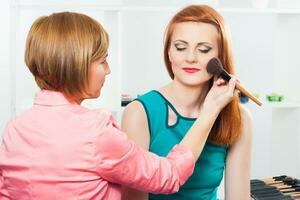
208, 173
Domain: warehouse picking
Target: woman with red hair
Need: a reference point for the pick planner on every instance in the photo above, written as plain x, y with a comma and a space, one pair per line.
159, 119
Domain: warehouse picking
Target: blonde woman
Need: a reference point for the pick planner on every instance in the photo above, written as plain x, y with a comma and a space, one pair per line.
59, 149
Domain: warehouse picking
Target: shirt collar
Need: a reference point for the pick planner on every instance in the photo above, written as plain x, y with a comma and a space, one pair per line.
51, 98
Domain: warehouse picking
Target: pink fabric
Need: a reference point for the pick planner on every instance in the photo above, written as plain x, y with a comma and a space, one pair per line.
61, 150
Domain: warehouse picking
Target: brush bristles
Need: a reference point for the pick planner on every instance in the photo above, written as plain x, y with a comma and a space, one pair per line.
214, 66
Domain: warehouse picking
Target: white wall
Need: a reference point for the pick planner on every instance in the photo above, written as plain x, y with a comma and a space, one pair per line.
143, 70
5, 89
253, 46
265, 47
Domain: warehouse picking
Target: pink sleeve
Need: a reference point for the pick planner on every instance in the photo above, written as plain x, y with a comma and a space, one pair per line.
121, 161
3, 192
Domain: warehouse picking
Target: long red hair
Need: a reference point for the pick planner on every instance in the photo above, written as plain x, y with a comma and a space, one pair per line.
227, 128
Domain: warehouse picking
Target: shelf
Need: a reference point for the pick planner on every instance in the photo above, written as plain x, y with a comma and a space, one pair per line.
262, 11
119, 7
281, 104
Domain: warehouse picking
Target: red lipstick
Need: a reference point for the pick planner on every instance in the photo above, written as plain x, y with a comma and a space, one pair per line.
190, 70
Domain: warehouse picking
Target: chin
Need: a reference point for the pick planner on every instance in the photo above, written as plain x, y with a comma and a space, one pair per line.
190, 82
94, 95
194, 81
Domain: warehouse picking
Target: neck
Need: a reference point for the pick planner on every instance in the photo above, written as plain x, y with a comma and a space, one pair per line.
79, 101
75, 101
186, 99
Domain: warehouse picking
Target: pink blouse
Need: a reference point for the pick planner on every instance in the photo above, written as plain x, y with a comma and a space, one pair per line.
61, 150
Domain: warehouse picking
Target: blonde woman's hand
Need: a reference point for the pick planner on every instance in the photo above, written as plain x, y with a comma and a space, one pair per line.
220, 94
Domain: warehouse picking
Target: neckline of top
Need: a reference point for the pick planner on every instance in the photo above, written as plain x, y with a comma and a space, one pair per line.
173, 108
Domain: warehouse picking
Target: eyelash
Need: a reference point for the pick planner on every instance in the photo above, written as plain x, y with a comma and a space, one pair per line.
202, 51
205, 51
180, 49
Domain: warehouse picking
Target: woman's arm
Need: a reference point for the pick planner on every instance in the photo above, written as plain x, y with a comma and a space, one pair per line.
3, 192
135, 124
237, 173
120, 160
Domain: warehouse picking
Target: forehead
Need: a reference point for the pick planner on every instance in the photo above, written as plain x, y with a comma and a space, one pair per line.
195, 32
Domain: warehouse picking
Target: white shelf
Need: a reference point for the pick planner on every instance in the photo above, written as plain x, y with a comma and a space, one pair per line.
262, 11
281, 104
119, 7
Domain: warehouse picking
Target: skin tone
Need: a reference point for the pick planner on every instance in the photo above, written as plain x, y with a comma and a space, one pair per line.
192, 45
98, 70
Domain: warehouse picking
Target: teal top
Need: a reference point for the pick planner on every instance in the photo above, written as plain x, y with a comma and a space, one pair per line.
209, 168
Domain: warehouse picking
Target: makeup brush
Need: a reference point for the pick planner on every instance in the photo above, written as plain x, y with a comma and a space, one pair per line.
283, 182
214, 66
295, 189
274, 194
274, 179
275, 188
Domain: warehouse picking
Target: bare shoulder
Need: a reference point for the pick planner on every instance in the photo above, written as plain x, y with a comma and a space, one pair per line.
243, 143
134, 111
135, 123
247, 123
246, 115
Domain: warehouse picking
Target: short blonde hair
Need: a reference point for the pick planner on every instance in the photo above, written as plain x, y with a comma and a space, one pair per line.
60, 48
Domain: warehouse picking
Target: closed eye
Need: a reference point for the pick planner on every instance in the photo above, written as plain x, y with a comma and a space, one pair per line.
180, 47
204, 50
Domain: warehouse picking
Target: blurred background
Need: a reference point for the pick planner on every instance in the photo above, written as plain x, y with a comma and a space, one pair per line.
265, 39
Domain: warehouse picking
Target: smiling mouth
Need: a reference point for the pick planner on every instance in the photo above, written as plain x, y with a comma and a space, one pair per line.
190, 70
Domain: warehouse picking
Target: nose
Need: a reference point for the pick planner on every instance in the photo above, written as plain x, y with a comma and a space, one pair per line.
191, 57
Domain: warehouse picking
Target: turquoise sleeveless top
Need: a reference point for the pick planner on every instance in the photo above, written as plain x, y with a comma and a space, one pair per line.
209, 168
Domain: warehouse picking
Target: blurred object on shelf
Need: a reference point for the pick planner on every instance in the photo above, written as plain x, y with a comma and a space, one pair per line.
274, 97
257, 95
125, 99
243, 99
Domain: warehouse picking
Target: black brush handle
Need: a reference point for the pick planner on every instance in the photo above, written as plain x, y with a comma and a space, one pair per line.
258, 189
279, 178
224, 75
269, 195
276, 198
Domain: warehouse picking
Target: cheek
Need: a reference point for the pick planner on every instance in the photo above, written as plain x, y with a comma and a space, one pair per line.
100, 78
212, 54
176, 58
207, 57
96, 78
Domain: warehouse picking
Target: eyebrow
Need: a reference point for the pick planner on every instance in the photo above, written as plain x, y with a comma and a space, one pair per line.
200, 43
